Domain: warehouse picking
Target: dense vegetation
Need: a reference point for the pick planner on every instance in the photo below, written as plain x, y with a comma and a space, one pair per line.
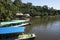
8, 9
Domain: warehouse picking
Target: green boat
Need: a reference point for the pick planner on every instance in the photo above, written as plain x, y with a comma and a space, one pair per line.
26, 36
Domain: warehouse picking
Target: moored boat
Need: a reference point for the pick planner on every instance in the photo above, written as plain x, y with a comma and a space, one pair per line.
26, 37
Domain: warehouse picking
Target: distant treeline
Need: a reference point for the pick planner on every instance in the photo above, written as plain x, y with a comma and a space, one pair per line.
8, 9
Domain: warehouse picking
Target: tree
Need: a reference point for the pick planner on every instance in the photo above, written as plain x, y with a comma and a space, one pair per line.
8, 9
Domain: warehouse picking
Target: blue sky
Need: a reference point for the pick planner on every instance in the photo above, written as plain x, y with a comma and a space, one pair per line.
50, 3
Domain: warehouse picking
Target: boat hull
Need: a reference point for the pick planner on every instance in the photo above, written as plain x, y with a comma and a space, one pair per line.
30, 38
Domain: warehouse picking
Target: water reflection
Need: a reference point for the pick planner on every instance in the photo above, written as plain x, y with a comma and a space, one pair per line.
45, 28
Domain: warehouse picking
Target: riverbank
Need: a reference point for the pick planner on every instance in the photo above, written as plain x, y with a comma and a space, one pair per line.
48, 16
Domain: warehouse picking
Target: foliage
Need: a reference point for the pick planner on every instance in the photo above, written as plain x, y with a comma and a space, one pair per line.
8, 9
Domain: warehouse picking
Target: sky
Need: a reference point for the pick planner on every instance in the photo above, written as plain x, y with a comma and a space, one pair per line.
50, 3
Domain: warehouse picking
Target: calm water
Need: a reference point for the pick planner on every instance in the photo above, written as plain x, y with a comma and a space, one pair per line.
47, 28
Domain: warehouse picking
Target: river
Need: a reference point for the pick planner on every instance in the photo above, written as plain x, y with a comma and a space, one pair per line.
46, 28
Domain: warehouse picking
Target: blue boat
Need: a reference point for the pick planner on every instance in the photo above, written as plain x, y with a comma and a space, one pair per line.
12, 29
